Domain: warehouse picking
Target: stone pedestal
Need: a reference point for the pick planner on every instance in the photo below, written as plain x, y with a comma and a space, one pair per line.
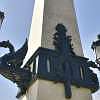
47, 90
47, 14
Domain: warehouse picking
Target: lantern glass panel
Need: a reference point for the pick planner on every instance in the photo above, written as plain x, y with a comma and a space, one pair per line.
98, 52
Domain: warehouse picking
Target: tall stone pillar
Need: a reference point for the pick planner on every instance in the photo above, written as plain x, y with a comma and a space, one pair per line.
46, 15
60, 11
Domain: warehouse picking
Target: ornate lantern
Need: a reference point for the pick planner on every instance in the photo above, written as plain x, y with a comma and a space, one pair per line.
96, 48
1, 18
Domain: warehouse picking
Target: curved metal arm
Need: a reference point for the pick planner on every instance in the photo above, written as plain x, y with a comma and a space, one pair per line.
93, 65
10, 65
7, 44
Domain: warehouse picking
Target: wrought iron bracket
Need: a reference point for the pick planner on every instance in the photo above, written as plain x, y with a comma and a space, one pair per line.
69, 70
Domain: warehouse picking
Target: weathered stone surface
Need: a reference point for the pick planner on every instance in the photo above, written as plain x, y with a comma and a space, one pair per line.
60, 11
47, 90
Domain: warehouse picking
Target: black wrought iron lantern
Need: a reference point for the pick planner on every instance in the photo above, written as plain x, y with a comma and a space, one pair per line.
96, 48
1, 18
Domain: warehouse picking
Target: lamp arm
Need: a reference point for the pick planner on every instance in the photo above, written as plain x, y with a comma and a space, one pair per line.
7, 44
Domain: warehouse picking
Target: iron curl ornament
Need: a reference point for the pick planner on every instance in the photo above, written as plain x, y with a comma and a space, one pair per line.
10, 65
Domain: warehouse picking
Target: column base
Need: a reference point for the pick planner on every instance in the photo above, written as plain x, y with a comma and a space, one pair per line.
48, 90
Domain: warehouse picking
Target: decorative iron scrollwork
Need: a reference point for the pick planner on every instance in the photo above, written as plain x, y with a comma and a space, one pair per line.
10, 65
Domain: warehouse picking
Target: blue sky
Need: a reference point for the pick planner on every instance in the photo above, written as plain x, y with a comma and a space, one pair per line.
16, 27
88, 15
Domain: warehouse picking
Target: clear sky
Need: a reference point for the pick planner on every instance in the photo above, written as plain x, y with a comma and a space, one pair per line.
16, 27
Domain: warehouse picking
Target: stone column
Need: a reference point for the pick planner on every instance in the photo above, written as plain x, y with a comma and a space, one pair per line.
47, 14
60, 11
